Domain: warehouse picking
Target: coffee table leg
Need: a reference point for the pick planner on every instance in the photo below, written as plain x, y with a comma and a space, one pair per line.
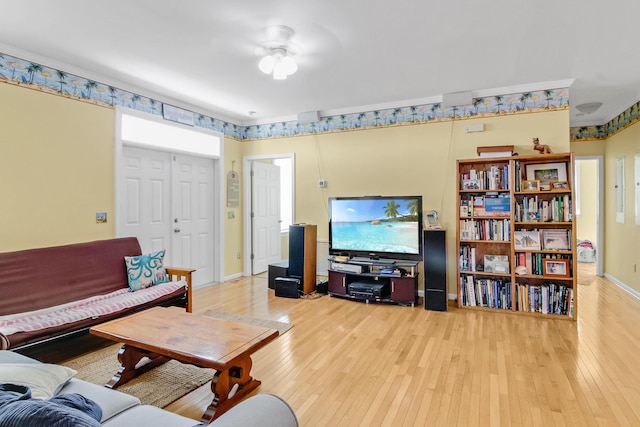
129, 358
224, 382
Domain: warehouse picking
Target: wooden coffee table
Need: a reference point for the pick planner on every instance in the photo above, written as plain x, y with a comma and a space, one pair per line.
164, 333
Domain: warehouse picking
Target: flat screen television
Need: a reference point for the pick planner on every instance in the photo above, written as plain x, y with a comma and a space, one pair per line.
376, 227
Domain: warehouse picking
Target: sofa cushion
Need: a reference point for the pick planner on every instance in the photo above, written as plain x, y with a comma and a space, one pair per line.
74, 271
151, 416
146, 270
111, 401
90, 308
44, 380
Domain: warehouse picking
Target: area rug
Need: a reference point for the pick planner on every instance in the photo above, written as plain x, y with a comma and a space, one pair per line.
165, 383
158, 387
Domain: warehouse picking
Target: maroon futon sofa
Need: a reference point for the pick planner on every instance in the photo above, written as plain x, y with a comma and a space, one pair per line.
82, 276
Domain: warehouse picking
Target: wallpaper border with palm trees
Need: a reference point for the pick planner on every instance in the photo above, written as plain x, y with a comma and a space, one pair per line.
36, 76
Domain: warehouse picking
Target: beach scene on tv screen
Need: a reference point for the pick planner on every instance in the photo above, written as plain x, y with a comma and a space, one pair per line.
375, 225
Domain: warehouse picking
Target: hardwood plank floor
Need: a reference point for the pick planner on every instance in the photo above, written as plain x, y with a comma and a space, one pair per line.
346, 363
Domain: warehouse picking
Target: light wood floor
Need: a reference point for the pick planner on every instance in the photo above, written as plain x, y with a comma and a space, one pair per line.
346, 363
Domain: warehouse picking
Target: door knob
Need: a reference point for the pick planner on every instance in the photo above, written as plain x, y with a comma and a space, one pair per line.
176, 230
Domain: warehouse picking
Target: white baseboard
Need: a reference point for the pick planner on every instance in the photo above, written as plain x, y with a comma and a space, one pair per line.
622, 285
232, 276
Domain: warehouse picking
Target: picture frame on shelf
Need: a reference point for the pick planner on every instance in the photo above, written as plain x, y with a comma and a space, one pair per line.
471, 184
466, 235
545, 186
547, 172
526, 240
555, 267
553, 239
531, 185
560, 185
496, 264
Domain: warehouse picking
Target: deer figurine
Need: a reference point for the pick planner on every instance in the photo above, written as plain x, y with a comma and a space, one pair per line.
542, 148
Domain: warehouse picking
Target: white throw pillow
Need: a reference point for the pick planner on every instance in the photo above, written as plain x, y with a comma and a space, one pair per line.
44, 380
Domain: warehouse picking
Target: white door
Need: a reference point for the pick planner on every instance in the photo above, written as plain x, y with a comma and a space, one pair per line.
193, 212
265, 213
168, 204
146, 202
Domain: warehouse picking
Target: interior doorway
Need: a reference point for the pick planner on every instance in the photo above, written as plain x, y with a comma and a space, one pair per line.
589, 206
265, 233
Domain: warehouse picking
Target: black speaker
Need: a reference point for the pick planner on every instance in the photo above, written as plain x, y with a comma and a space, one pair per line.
302, 255
278, 269
287, 287
435, 270
322, 287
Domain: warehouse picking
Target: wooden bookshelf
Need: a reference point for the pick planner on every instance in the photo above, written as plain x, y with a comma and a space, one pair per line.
516, 235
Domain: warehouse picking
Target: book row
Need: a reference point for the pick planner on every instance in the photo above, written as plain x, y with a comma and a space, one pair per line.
549, 298
491, 204
534, 209
485, 292
485, 229
493, 178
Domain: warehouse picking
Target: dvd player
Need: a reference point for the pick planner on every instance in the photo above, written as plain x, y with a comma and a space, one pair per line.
368, 289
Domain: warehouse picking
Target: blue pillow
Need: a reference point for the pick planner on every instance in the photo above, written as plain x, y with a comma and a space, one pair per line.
146, 270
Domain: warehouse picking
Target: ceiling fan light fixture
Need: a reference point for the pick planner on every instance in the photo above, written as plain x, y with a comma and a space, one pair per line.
588, 107
267, 64
278, 62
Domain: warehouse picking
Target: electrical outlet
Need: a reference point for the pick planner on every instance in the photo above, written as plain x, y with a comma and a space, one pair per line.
238, 255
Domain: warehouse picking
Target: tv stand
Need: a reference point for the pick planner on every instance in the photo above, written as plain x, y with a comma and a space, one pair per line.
374, 280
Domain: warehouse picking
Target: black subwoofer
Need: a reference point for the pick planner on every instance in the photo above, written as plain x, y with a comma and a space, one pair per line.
287, 287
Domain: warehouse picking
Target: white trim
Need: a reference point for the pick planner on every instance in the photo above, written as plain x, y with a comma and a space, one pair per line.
233, 276
622, 286
218, 177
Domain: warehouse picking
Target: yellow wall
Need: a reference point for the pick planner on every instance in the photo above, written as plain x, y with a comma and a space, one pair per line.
621, 240
56, 159
233, 235
403, 160
56, 169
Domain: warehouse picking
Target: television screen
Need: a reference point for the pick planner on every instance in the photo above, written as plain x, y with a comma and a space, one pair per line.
376, 226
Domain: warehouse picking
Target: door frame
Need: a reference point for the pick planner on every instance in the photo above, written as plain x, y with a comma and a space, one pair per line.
600, 208
246, 200
218, 177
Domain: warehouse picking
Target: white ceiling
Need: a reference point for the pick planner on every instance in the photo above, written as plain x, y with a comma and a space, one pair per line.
200, 54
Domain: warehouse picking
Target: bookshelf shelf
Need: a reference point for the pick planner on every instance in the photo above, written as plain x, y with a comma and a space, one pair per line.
532, 232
